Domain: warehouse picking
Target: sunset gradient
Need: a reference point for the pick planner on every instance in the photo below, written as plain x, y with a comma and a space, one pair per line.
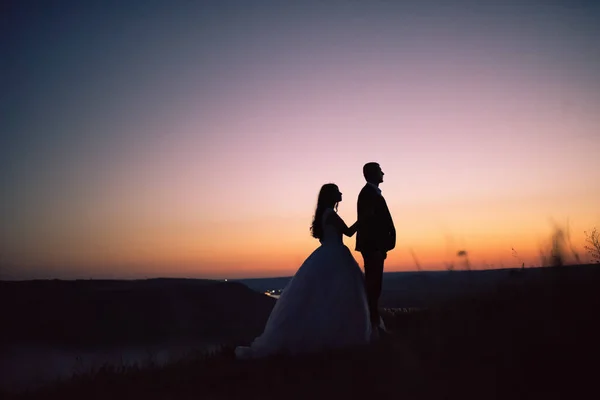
190, 139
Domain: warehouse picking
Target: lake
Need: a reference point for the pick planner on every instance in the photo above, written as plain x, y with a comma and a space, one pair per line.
28, 366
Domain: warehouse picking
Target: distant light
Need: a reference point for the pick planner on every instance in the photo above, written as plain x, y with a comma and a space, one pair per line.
225, 280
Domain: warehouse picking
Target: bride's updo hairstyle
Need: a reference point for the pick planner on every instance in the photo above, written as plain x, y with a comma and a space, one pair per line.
328, 196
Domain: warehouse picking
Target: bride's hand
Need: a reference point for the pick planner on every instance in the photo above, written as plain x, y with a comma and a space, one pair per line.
353, 229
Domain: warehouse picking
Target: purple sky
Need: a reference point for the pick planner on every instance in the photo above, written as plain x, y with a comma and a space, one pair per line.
191, 138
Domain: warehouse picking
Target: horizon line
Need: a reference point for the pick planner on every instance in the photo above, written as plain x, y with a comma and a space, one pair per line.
288, 276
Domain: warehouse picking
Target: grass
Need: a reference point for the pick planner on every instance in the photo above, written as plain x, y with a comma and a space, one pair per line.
526, 338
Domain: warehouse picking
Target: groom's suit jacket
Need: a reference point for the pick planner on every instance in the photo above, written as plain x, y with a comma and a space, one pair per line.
376, 231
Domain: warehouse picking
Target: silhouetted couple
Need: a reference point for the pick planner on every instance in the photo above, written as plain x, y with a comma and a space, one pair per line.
330, 303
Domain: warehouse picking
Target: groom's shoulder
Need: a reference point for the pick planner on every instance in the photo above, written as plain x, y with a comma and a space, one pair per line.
366, 191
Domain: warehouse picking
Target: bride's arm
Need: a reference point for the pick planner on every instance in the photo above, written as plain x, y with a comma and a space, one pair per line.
352, 229
339, 223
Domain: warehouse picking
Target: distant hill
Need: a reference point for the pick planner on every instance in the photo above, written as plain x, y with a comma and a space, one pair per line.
120, 312
428, 288
115, 312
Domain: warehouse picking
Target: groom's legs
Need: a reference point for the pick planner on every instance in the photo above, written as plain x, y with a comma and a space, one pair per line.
373, 276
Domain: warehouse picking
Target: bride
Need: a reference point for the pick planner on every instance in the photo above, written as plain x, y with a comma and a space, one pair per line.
324, 306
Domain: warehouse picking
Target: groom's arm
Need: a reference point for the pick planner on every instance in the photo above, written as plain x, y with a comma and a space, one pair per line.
366, 213
391, 229
369, 223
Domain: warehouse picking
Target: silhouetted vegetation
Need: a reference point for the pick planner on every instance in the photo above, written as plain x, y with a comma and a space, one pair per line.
463, 254
515, 254
416, 260
593, 244
556, 253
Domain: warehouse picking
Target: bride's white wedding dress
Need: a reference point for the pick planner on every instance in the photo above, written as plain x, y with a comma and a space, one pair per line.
323, 307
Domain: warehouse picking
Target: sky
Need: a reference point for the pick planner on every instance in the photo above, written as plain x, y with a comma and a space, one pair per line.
190, 139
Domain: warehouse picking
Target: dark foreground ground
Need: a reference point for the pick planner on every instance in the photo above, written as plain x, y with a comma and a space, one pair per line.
527, 338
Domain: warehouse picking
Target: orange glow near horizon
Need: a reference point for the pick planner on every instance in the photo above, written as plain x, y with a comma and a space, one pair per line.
255, 248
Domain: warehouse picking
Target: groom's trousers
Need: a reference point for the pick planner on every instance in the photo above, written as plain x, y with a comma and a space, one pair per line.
373, 277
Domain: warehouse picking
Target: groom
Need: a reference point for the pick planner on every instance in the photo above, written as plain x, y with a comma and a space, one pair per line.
376, 236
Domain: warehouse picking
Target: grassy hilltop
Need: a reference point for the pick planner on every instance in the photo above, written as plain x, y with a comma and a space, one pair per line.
532, 336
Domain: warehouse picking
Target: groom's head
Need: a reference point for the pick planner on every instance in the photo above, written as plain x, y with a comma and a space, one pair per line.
373, 173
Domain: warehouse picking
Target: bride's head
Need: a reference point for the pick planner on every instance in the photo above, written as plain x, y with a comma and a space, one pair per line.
329, 197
